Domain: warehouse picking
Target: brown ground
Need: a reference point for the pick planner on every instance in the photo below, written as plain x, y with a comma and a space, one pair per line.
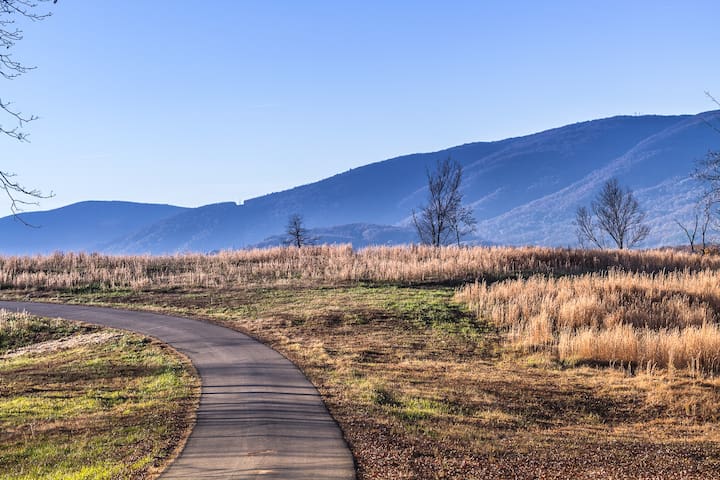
423, 391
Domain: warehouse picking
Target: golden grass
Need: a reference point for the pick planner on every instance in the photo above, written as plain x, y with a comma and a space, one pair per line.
694, 348
656, 320
329, 264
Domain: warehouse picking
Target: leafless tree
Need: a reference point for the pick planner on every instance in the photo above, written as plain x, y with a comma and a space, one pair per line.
615, 214
705, 224
463, 223
690, 230
10, 12
701, 222
586, 230
707, 170
297, 234
444, 218
708, 173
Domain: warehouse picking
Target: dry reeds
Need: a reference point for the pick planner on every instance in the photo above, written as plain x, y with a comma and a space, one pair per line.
411, 264
696, 348
659, 319
608, 306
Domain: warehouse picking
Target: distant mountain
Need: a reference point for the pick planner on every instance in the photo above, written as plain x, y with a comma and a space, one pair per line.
523, 190
84, 226
358, 234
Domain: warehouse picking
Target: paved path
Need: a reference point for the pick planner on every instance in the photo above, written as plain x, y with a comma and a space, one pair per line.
259, 417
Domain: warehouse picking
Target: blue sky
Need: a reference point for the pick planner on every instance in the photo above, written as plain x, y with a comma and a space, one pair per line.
192, 103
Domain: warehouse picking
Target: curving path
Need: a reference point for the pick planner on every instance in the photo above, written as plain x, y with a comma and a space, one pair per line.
259, 417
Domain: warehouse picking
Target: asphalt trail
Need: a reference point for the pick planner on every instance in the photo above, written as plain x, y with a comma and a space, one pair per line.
259, 417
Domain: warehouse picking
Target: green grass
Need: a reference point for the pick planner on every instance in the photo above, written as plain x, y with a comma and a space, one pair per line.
114, 409
419, 307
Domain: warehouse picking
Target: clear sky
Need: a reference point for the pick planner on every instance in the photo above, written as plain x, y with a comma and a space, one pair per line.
191, 103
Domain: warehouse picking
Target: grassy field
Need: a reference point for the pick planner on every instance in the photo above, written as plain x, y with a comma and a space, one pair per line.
80, 402
666, 320
457, 363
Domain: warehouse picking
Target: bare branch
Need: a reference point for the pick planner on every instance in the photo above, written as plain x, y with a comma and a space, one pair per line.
18, 195
297, 234
690, 234
715, 101
444, 218
10, 68
707, 172
615, 213
21, 120
706, 222
586, 230
10, 12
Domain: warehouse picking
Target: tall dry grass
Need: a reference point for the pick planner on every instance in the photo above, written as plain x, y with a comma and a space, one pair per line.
411, 264
663, 319
657, 306
696, 348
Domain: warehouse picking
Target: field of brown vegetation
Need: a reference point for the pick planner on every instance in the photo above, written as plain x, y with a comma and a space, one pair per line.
467, 363
329, 264
664, 319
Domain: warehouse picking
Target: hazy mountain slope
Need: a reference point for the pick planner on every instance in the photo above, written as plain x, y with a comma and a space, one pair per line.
517, 170
183, 232
83, 226
358, 234
538, 165
657, 168
523, 190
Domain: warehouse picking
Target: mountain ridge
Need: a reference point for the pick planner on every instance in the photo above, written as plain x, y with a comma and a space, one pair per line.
524, 190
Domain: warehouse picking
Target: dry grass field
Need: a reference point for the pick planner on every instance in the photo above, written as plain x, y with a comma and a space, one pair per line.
328, 265
460, 363
665, 320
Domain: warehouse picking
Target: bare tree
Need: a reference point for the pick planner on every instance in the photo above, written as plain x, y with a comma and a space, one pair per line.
702, 216
297, 234
706, 221
586, 230
691, 230
707, 172
615, 214
444, 218
463, 223
10, 12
